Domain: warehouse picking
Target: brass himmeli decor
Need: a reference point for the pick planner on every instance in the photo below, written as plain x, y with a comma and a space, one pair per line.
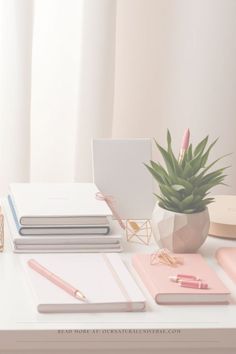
139, 231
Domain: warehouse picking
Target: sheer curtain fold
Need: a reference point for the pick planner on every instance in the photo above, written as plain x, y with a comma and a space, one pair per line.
96, 81
72, 85
15, 90
55, 65
56, 87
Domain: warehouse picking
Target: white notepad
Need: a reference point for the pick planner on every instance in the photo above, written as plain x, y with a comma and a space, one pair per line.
58, 203
102, 278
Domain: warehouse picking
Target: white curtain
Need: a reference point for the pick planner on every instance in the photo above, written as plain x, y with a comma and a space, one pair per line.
15, 90
56, 87
173, 64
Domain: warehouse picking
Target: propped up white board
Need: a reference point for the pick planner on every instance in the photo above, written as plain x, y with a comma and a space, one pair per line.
118, 170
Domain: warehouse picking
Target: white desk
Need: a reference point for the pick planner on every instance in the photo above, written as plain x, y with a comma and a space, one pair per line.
164, 327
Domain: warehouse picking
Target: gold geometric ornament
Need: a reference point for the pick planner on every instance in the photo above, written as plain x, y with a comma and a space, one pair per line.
139, 231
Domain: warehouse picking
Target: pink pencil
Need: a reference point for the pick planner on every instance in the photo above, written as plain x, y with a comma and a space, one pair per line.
185, 144
56, 280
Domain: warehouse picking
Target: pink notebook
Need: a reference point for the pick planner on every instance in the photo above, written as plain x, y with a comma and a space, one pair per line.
156, 279
226, 257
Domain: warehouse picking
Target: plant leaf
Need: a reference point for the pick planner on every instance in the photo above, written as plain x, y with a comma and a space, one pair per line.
167, 191
161, 171
175, 163
201, 146
189, 153
187, 173
187, 201
167, 159
156, 175
168, 140
178, 187
185, 186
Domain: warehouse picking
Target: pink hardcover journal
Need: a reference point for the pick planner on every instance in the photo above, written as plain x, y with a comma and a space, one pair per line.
156, 279
226, 257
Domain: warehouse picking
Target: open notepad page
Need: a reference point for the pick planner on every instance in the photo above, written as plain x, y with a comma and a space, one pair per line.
102, 278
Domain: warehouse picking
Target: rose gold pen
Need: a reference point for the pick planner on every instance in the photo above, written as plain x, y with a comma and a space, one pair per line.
56, 280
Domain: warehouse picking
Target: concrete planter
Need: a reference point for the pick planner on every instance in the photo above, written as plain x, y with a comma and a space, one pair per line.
180, 233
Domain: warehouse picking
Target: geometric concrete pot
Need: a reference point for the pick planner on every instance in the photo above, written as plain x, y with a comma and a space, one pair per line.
180, 233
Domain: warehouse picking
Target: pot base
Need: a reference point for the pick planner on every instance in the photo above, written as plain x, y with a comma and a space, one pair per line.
180, 233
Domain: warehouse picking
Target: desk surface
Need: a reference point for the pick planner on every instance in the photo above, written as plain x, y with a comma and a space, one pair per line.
164, 326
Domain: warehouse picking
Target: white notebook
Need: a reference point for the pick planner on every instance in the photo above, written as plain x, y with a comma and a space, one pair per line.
102, 278
65, 243
58, 203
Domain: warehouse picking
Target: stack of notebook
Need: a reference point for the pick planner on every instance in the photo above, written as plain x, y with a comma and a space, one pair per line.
59, 217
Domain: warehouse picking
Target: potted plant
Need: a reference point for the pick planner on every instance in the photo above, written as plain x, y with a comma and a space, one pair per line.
180, 220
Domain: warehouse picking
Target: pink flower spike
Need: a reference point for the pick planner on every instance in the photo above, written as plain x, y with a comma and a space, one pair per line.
185, 141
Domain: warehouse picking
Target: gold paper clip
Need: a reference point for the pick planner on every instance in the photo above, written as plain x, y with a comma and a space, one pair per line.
164, 256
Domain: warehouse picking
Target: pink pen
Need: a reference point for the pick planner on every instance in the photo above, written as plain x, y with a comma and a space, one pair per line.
193, 284
177, 278
185, 144
56, 280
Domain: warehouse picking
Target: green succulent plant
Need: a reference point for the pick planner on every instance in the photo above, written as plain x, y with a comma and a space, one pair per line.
185, 185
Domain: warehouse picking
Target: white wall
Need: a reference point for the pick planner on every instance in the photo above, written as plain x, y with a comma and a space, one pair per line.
175, 68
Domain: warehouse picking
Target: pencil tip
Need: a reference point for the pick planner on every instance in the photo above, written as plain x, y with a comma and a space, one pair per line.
80, 297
